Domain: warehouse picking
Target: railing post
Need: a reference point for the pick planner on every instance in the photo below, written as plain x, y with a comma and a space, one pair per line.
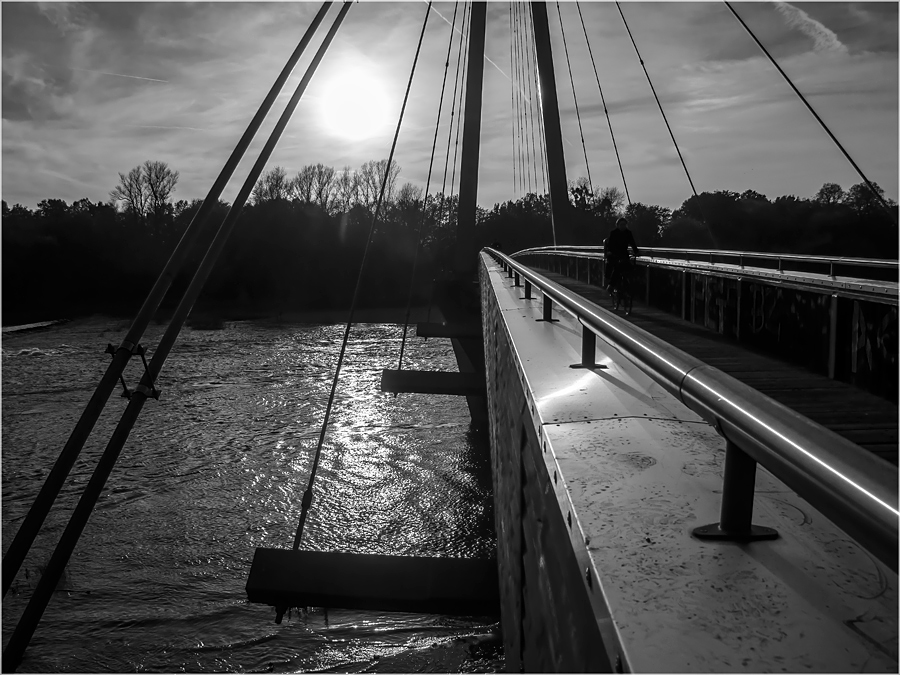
693, 303
588, 347
527, 290
647, 287
832, 336
735, 518
684, 281
737, 323
548, 309
589, 261
509, 272
516, 277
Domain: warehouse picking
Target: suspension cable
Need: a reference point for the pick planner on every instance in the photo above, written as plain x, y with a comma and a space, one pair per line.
531, 94
574, 97
603, 101
814, 114
465, 83
677, 149
520, 97
512, 98
437, 124
542, 138
457, 79
24, 630
308, 495
34, 519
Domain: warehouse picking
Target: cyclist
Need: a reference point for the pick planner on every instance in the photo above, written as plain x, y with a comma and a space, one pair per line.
615, 251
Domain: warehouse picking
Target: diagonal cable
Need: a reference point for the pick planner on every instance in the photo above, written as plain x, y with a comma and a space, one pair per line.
814, 114
308, 495
437, 124
575, 97
603, 101
34, 519
652, 88
24, 630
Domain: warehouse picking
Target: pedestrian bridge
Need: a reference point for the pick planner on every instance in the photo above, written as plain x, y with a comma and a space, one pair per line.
706, 484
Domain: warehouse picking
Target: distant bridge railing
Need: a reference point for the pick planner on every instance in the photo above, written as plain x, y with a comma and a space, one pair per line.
837, 316
853, 488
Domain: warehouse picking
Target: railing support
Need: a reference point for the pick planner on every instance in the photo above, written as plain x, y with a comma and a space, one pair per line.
527, 290
516, 277
832, 337
684, 281
548, 309
647, 287
588, 347
735, 518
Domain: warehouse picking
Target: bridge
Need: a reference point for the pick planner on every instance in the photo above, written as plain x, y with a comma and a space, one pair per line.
706, 484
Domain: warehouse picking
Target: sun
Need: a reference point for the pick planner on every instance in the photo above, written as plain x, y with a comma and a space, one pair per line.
354, 105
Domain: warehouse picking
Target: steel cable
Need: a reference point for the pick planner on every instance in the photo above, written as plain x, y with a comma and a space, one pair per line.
653, 89
603, 101
814, 114
437, 124
574, 97
542, 137
464, 80
27, 624
34, 519
308, 494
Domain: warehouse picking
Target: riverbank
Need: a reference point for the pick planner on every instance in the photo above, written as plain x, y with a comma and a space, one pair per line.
214, 318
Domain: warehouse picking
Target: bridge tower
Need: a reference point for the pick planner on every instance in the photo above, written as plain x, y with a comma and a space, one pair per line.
466, 247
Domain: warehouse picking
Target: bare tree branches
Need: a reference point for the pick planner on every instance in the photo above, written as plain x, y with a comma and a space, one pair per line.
146, 190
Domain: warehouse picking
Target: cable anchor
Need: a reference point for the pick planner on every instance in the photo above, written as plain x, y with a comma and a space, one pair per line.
149, 392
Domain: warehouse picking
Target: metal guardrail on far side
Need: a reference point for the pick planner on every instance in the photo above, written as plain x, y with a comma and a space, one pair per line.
854, 489
843, 326
858, 278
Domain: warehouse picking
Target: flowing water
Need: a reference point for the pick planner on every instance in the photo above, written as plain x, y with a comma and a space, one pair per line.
216, 468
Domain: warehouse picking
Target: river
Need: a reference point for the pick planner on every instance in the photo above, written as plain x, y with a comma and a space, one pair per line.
216, 468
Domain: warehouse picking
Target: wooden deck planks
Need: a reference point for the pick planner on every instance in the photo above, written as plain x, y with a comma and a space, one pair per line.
860, 417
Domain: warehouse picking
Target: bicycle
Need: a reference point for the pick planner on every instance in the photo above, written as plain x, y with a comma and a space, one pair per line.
620, 286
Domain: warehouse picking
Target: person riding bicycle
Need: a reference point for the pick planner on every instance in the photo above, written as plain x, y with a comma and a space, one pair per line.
615, 251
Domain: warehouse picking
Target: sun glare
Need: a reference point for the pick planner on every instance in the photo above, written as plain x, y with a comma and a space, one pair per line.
354, 106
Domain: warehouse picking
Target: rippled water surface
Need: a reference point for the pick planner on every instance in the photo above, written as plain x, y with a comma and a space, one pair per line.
216, 468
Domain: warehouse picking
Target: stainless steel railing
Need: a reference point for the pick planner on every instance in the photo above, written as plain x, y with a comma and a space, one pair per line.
847, 277
852, 487
783, 261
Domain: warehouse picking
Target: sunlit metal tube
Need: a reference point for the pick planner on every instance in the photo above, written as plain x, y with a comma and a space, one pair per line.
852, 487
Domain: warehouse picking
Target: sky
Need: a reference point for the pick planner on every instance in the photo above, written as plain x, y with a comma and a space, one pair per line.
90, 90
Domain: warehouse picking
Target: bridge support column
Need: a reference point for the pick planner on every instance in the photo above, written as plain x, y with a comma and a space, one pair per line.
556, 161
466, 248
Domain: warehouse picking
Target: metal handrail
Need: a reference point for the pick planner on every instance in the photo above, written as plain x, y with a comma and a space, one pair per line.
698, 252
856, 287
852, 487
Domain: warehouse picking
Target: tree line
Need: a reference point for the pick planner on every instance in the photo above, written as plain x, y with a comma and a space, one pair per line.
298, 243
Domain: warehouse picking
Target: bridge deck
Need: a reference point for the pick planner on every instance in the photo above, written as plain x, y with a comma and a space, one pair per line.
860, 417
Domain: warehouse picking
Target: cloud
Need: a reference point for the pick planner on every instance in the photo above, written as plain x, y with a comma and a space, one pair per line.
824, 38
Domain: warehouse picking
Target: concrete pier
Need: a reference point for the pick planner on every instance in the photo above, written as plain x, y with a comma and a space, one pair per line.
599, 478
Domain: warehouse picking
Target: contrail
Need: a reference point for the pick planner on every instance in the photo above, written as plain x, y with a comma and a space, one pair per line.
151, 126
133, 77
824, 38
486, 58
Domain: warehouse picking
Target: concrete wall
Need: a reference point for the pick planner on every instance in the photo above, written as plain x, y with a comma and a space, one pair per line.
548, 624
